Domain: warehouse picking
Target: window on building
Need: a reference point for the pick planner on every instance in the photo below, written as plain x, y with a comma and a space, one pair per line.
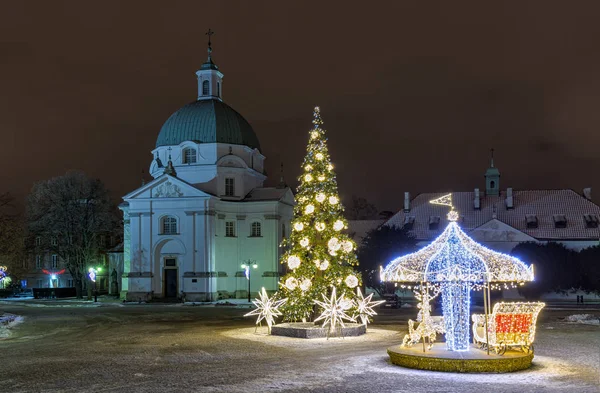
54, 261
189, 155
229, 228
102, 241
38, 283
219, 89
38, 241
169, 225
229, 186
205, 88
409, 222
54, 241
38, 261
256, 230
591, 220
434, 222
560, 221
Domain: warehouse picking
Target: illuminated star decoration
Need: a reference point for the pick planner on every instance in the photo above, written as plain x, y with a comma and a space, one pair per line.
266, 309
334, 310
365, 306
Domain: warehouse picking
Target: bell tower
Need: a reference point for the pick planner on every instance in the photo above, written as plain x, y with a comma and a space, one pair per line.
492, 178
210, 79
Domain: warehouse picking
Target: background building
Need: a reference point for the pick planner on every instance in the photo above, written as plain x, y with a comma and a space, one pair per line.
187, 232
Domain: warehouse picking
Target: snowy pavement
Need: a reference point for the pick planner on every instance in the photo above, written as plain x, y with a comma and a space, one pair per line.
157, 348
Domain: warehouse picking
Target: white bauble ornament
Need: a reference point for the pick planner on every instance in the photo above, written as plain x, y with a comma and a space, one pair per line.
347, 246
321, 178
324, 265
338, 225
333, 200
305, 284
304, 242
320, 197
291, 283
293, 262
308, 177
309, 209
298, 226
320, 226
351, 281
319, 156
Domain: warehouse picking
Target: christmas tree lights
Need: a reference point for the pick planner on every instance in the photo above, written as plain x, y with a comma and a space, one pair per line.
457, 264
317, 250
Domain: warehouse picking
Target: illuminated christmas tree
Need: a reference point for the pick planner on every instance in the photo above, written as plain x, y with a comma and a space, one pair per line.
319, 256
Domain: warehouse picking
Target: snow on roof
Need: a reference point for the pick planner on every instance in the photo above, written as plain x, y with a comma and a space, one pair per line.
545, 205
358, 229
265, 194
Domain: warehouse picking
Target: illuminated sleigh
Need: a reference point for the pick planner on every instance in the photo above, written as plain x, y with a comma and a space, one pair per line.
509, 325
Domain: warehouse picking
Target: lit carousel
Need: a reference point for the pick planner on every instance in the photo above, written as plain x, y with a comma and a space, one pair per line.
452, 266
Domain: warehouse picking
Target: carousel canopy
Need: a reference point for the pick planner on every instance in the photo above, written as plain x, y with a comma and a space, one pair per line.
454, 256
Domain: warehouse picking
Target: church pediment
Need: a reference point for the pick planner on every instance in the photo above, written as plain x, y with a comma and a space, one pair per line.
167, 190
166, 186
497, 231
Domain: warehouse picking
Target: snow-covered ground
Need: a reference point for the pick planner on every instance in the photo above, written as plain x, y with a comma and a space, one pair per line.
587, 319
160, 348
7, 322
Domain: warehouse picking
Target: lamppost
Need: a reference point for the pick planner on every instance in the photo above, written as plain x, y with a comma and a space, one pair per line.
246, 266
92, 275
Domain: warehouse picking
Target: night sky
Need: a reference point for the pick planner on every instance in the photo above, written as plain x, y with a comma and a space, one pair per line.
413, 95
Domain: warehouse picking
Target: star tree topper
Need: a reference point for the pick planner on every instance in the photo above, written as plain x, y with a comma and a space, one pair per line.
365, 306
266, 309
334, 310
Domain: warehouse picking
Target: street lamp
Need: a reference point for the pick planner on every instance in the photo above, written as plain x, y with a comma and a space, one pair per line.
246, 266
92, 275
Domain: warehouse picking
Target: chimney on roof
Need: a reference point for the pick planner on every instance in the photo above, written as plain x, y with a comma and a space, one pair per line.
509, 198
587, 193
406, 202
476, 201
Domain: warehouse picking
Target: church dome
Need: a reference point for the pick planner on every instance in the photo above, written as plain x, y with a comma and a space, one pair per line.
207, 121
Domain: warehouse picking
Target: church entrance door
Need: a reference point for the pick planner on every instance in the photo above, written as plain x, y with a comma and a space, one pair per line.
170, 277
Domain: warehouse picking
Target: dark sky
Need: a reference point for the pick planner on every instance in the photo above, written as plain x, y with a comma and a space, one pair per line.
413, 94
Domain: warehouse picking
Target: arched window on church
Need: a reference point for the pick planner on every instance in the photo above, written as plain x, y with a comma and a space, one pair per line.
256, 230
169, 225
205, 88
189, 155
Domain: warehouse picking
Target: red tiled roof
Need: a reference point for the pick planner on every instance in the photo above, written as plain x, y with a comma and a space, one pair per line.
544, 204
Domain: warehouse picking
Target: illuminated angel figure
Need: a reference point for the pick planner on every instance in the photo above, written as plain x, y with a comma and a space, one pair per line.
266, 308
334, 310
365, 306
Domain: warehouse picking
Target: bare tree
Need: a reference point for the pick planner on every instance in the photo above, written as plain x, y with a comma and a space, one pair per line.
361, 209
75, 210
12, 250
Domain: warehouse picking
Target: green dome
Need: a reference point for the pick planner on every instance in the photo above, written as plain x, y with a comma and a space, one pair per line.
207, 121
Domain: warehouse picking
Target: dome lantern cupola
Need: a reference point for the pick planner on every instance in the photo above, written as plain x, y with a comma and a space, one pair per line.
210, 79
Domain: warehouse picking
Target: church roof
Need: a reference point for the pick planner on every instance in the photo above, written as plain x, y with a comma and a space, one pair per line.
265, 194
207, 121
542, 214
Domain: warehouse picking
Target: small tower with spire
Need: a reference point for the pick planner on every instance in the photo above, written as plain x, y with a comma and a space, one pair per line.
210, 79
492, 178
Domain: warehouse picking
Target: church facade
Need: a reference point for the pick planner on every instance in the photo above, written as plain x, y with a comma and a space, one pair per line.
206, 212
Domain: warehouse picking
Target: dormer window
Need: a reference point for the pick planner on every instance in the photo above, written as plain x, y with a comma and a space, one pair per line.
591, 220
189, 155
409, 222
229, 186
532, 221
560, 221
434, 222
205, 88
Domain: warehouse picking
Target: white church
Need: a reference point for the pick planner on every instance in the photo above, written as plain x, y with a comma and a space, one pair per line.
188, 232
